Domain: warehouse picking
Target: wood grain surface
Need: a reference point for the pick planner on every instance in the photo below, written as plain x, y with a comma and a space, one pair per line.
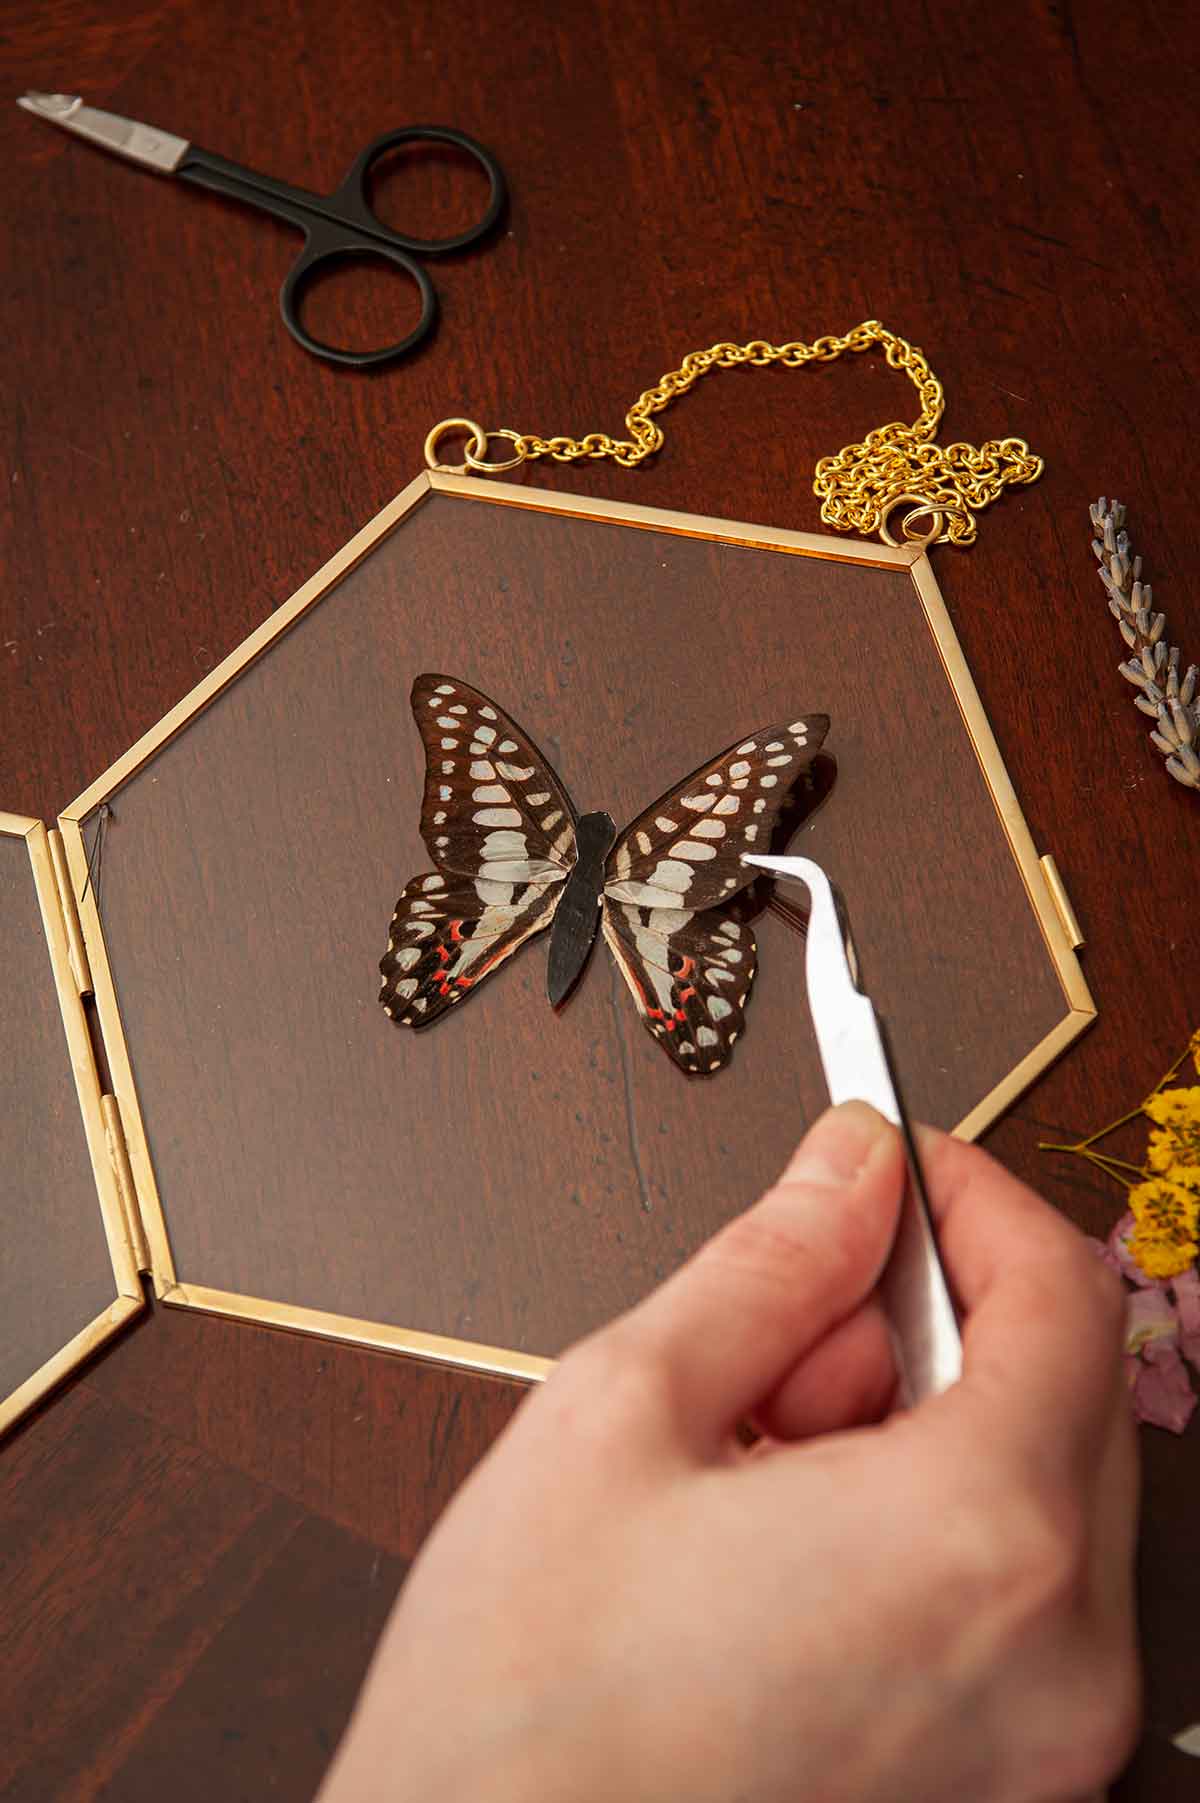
200, 1537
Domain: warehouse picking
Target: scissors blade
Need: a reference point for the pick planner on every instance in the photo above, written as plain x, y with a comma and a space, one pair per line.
144, 144
857, 1067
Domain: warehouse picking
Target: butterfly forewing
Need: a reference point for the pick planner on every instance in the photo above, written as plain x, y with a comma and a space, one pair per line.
448, 933
689, 975
685, 852
492, 806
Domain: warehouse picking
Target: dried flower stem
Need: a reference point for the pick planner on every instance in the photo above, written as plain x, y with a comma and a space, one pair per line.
1153, 668
1104, 1161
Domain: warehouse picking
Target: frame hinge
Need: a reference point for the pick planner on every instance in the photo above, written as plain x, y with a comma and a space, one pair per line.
81, 970
118, 1158
1068, 919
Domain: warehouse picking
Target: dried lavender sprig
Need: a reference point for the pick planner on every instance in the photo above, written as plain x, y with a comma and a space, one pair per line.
1152, 667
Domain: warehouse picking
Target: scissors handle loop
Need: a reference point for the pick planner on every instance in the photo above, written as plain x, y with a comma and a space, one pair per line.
351, 200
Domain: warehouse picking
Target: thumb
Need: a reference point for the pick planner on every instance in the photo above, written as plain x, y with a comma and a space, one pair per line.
731, 1324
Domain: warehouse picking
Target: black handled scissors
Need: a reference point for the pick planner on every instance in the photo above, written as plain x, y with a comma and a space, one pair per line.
335, 226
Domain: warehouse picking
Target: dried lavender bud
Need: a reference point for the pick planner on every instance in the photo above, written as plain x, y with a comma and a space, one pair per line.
1133, 673
1187, 687
1147, 706
1166, 746
1128, 634
1182, 722
1182, 774
1167, 730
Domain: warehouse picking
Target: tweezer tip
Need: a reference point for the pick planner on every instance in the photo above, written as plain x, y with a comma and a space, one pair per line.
49, 106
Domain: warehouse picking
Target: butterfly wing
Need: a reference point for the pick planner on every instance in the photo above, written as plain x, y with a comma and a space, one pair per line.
688, 962
492, 805
686, 850
501, 830
448, 934
689, 975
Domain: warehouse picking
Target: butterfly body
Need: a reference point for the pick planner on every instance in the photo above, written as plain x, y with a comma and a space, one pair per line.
513, 859
577, 916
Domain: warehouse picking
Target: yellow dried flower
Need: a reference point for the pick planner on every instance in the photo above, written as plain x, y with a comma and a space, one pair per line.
1166, 1214
1175, 1108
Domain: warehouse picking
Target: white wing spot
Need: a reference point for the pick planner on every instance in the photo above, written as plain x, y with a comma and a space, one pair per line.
705, 1036
407, 958
730, 955
799, 726
644, 843
777, 763
489, 713
482, 771
666, 826
730, 882
537, 801
447, 723
499, 817
760, 806
699, 804
743, 749
692, 850
776, 745
485, 733
685, 1046
751, 833
741, 768
477, 748
420, 1004
490, 792
718, 1007
624, 862
742, 781
444, 688
728, 804
715, 780
420, 929
421, 907
728, 929
768, 782
669, 874
449, 744
515, 773
444, 790
503, 845
709, 829
551, 820
439, 818
506, 745
441, 844
387, 1010
459, 709
430, 883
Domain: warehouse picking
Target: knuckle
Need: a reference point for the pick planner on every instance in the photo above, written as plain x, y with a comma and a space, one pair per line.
614, 1379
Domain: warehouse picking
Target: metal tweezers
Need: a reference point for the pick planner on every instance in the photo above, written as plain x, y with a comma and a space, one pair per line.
857, 1066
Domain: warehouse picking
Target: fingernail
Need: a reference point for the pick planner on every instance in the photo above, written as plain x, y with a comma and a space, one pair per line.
838, 1145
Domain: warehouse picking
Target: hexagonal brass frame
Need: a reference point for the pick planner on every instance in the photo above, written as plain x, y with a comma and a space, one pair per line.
1046, 895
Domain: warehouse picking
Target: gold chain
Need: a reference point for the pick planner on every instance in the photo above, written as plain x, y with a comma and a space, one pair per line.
858, 489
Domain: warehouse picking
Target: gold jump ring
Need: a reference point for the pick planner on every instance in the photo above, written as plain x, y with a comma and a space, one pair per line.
923, 540
479, 443
505, 463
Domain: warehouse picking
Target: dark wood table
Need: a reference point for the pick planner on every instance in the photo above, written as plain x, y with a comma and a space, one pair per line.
201, 1535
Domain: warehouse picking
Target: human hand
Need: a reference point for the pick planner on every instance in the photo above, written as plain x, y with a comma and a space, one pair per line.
625, 1604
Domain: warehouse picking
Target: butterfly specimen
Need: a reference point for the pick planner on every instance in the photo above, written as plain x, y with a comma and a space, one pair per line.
514, 858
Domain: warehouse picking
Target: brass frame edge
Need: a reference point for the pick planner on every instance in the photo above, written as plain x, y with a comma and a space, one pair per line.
118, 1153
683, 525
1068, 918
87, 1341
152, 1224
231, 667
436, 1348
83, 1067
979, 730
70, 913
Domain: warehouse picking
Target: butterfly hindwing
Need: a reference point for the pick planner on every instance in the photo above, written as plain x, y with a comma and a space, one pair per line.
689, 974
448, 933
685, 851
492, 805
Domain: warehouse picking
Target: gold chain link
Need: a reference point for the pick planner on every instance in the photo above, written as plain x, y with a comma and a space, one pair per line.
858, 488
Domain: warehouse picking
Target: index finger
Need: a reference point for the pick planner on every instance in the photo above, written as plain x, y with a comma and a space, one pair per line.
1043, 1318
